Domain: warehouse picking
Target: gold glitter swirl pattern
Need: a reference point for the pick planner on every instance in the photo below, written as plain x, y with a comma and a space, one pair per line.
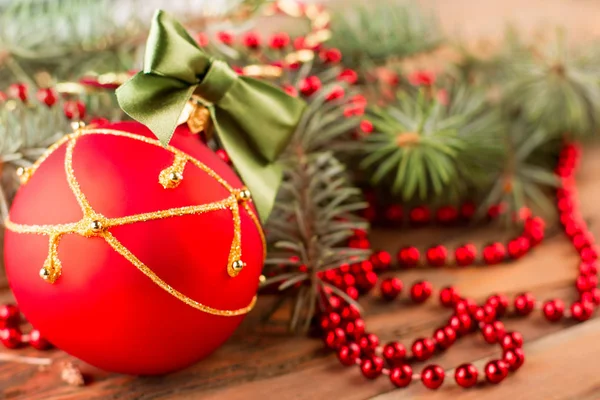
94, 224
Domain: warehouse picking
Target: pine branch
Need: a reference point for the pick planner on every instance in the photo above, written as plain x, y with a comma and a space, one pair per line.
371, 34
423, 148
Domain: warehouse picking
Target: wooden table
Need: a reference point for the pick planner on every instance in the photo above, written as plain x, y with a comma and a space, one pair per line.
263, 362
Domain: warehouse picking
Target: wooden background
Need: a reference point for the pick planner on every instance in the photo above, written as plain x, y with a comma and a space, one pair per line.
263, 362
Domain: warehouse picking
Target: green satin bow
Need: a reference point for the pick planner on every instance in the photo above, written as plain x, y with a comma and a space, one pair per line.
254, 120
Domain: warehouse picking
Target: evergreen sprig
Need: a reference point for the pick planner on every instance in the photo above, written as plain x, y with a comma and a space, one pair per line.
314, 215
424, 147
379, 31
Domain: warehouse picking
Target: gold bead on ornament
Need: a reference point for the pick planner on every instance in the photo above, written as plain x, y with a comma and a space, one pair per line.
244, 195
45, 274
238, 265
24, 174
96, 226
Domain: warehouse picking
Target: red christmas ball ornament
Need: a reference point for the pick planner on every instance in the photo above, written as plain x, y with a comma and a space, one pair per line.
436, 255
420, 291
391, 288
433, 376
465, 254
409, 256
139, 245
401, 376
466, 375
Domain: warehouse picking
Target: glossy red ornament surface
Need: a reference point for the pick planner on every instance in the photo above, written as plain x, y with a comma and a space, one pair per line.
102, 309
466, 375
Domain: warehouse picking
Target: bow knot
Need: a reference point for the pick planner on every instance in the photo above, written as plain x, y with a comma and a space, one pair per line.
253, 119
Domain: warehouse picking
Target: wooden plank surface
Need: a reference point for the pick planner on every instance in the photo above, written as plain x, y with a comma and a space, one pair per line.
263, 362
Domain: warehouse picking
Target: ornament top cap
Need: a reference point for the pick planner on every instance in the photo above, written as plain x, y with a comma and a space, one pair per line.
253, 119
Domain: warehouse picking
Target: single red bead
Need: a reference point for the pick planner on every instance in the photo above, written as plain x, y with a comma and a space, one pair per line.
437, 255
352, 292
585, 283
335, 303
554, 310
465, 306
279, 40
354, 329
433, 376
461, 323
588, 268
348, 280
394, 353
371, 367
368, 343
359, 243
423, 349
518, 247
494, 253
515, 358
420, 215
447, 214
37, 341
11, 338
465, 255
499, 302
495, 210
251, 40
332, 55
449, 297
420, 291
335, 338
588, 254
223, 156
535, 236
47, 96
350, 312
350, 77
9, 315
393, 214
512, 340
582, 311
524, 304
366, 282
467, 210
593, 296
493, 332
401, 376
496, 371
348, 354
330, 321
381, 260
361, 268
18, 91
409, 257
74, 109
391, 288
225, 37
581, 240
486, 314
444, 337
466, 375
309, 85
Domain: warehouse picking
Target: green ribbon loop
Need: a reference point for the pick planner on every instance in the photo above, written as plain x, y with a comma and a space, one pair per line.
253, 119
